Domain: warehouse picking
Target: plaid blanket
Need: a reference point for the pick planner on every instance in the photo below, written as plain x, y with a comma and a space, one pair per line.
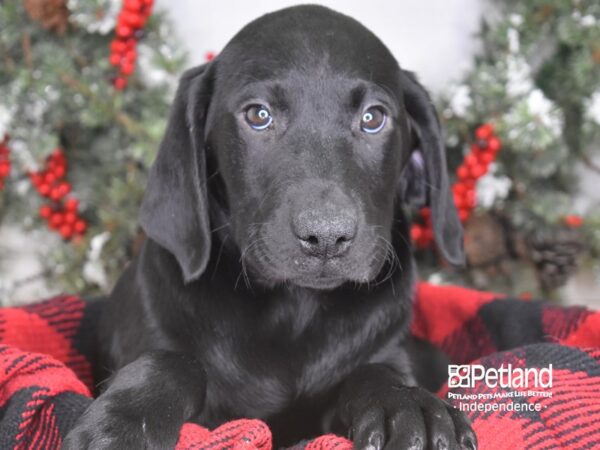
46, 352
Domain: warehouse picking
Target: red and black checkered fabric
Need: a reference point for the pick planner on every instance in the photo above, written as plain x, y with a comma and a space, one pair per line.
46, 356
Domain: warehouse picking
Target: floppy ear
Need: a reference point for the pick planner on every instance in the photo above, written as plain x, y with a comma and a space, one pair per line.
413, 182
174, 211
427, 131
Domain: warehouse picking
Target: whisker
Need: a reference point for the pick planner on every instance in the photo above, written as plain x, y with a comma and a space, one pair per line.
225, 225
219, 257
392, 257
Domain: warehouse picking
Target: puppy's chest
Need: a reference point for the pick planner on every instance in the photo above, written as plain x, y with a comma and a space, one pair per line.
296, 351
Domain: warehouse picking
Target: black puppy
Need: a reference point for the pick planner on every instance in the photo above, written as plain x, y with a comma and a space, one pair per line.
277, 278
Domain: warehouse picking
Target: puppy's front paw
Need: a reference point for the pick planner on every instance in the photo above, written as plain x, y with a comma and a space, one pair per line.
116, 422
409, 418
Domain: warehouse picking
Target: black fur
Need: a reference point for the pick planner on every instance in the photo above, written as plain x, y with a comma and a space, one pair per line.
277, 276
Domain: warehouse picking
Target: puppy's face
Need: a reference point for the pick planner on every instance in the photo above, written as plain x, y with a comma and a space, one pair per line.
308, 139
292, 142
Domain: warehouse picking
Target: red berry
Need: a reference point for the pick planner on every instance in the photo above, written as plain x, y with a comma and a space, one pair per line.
55, 194
416, 231
124, 31
45, 211
60, 171
115, 59
66, 231
4, 168
118, 46
469, 184
130, 55
459, 201
80, 226
70, 217
120, 83
133, 5
484, 131
56, 219
71, 204
478, 170
462, 172
573, 221
44, 189
487, 158
64, 188
476, 149
421, 236
494, 144
127, 68
470, 160
459, 188
130, 18
209, 56
49, 177
426, 213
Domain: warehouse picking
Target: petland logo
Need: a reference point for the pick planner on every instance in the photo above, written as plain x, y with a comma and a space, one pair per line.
466, 376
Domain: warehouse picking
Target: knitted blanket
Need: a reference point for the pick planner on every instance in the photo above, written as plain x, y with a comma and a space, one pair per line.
46, 352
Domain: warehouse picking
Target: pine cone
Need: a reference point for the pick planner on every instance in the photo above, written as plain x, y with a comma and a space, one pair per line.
555, 253
485, 241
53, 15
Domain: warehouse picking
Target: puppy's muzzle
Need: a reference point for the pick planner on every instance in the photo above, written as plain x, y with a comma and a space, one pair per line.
325, 231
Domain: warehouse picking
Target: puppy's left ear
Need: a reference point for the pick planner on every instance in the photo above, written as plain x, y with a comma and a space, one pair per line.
427, 136
174, 211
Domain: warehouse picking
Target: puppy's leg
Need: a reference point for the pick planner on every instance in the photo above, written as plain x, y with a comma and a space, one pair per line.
144, 406
383, 409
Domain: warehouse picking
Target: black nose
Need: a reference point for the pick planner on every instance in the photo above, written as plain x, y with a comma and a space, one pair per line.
325, 233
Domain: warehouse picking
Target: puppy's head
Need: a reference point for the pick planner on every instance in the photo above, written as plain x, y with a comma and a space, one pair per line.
295, 138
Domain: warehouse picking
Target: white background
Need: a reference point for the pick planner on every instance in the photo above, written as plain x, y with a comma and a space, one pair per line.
431, 37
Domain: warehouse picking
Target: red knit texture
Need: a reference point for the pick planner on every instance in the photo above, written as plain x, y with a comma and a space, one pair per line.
46, 375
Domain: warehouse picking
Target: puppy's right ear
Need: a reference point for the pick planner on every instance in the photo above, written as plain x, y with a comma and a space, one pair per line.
427, 137
174, 211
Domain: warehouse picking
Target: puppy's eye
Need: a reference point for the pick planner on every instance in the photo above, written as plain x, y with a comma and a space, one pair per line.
373, 120
258, 117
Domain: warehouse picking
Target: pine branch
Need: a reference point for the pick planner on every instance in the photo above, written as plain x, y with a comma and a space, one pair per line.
589, 163
27, 54
131, 126
9, 62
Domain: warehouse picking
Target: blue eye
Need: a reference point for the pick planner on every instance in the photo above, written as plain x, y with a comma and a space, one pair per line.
258, 117
373, 120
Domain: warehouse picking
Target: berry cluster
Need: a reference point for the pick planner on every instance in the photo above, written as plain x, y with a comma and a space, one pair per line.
475, 164
422, 233
4, 161
130, 23
61, 213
